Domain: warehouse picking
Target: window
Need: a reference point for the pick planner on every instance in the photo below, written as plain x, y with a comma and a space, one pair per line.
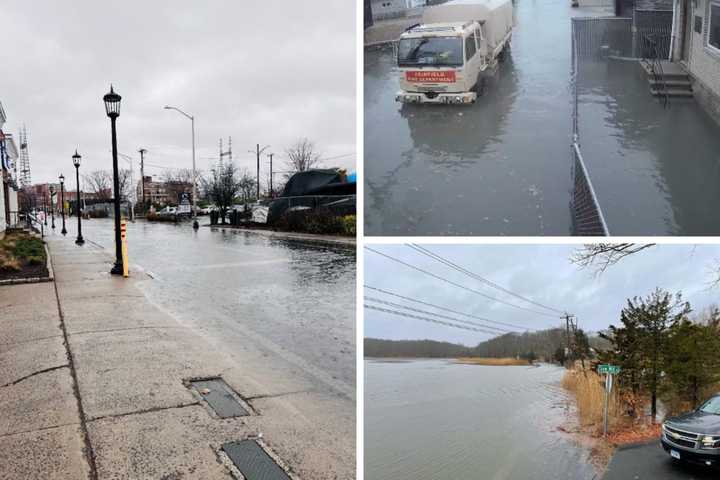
714, 25
470, 47
431, 51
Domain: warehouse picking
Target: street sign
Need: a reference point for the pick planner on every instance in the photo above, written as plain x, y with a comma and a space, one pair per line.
608, 369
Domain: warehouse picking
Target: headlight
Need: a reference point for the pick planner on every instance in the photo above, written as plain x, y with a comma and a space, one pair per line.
710, 442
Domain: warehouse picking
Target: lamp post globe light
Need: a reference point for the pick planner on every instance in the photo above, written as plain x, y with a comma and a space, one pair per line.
194, 192
112, 109
76, 161
62, 202
52, 205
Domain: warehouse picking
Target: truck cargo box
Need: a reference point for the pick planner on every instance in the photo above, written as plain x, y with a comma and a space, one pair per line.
495, 15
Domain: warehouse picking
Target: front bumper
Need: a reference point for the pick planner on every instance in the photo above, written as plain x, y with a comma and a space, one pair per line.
441, 98
692, 455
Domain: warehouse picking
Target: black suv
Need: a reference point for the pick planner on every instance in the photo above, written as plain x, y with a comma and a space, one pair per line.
695, 436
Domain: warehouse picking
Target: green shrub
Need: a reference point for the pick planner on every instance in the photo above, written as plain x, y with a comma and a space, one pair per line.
28, 247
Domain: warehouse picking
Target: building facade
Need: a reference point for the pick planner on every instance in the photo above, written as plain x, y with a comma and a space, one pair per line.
696, 45
8, 180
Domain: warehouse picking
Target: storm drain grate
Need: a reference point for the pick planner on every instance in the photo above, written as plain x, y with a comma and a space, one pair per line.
219, 397
254, 462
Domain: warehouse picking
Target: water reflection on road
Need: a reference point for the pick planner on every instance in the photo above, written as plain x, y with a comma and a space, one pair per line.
432, 419
294, 300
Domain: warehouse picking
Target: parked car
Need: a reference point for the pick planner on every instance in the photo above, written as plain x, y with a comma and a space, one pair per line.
167, 211
695, 436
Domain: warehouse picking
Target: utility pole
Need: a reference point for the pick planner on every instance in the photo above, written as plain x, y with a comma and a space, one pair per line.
142, 175
258, 173
257, 152
271, 174
225, 154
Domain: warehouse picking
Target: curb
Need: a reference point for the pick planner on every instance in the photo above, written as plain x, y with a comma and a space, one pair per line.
49, 278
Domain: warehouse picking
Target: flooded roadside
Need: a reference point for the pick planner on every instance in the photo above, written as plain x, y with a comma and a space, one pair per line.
435, 419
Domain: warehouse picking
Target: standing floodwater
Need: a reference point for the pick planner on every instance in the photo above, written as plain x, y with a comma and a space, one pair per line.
436, 420
503, 165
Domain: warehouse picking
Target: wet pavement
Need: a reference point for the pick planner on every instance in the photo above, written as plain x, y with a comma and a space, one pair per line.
292, 300
650, 462
503, 167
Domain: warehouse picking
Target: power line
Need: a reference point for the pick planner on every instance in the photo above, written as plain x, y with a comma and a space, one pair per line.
477, 292
417, 310
484, 280
440, 322
444, 308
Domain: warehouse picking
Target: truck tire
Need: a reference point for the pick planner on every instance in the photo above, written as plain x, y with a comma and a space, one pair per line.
479, 87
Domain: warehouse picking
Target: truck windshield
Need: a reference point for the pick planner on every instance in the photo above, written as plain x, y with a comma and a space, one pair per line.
431, 51
712, 406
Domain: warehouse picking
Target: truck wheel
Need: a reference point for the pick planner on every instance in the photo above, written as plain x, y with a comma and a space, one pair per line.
480, 85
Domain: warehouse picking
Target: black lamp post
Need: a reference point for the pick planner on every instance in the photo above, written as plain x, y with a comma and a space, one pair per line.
45, 207
52, 206
76, 162
62, 202
112, 109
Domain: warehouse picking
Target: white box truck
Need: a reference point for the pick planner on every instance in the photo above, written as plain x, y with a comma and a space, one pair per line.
445, 58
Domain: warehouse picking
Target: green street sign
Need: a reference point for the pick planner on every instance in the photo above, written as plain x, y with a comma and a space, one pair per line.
606, 368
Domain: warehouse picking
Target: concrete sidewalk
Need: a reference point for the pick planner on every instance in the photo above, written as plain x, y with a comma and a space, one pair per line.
112, 400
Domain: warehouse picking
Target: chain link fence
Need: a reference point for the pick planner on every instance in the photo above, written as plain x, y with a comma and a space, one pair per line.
591, 39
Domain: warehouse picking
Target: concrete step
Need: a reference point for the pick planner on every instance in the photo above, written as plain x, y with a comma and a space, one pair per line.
671, 92
671, 83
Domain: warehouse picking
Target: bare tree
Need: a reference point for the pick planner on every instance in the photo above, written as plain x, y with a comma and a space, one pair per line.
301, 157
600, 256
221, 186
246, 186
99, 183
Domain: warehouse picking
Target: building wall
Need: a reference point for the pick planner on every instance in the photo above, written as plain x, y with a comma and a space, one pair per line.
14, 202
704, 64
3, 220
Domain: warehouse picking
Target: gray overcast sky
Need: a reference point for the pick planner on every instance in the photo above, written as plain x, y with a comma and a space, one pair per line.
265, 72
542, 273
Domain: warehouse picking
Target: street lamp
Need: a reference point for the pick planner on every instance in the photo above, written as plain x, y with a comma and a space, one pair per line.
76, 162
112, 108
194, 192
52, 207
45, 207
62, 202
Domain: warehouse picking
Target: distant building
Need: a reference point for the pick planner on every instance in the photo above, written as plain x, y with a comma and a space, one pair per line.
383, 9
162, 193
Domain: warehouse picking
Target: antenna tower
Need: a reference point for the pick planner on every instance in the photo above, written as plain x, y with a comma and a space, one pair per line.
25, 180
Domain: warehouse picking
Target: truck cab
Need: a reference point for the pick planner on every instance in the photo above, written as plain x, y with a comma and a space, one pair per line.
445, 58
441, 63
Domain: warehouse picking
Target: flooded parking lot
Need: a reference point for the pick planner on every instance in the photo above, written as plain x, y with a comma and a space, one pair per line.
503, 166
468, 421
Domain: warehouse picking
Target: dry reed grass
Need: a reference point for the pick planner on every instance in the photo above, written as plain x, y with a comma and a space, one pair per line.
589, 390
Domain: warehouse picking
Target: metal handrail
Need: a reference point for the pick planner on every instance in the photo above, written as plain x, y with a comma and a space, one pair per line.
656, 70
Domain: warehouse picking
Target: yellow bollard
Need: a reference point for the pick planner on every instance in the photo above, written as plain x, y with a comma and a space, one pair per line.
123, 228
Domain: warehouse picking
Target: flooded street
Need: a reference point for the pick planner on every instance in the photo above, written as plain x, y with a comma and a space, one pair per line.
500, 166
432, 419
292, 301
503, 166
